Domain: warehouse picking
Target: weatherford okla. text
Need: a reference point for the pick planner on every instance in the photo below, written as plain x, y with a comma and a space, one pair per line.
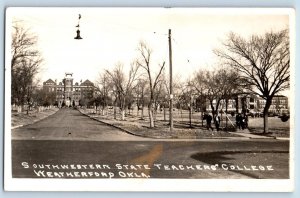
127, 170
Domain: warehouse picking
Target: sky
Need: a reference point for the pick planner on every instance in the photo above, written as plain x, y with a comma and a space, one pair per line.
111, 36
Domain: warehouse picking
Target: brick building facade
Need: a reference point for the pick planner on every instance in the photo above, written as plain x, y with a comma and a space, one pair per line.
253, 104
69, 93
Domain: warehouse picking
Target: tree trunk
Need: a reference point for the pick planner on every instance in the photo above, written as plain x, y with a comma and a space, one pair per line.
164, 113
103, 109
202, 118
123, 114
115, 111
237, 104
142, 116
226, 112
28, 107
154, 113
150, 111
212, 108
143, 104
190, 113
266, 126
266, 110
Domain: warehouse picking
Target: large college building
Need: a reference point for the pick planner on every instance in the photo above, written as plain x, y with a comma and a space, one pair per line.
69, 93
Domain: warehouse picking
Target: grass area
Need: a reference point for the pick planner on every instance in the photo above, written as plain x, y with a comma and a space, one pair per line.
138, 126
277, 128
133, 123
33, 116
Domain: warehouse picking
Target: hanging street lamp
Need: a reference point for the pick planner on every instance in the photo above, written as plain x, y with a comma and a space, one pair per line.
78, 31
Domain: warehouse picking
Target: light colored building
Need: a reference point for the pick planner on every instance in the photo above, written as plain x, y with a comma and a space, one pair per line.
67, 93
253, 104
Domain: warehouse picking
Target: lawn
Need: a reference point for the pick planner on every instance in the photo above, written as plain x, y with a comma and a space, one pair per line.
23, 118
276, 126
182, 129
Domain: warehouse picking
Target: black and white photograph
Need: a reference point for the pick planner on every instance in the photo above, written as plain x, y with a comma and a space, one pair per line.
149, 99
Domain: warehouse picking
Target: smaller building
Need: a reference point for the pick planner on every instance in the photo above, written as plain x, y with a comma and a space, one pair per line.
253, 104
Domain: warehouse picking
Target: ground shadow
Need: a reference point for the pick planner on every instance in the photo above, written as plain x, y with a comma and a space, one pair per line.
221, 158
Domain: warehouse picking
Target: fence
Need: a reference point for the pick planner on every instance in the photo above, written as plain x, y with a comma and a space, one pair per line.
23, 108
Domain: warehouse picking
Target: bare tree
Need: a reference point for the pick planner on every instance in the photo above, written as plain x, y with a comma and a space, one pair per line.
215, 86
103, 87
25, 63
185, 98
159, 95
208, 84
144, 62
123, 84
140, 91
230, 85
263, 61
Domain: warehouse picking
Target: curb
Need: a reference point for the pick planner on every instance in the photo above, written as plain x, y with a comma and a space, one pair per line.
262, 137
126, 131
282, 138
18, 126
250, 136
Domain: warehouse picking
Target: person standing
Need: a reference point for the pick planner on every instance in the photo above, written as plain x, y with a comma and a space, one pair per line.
217, 121
238, 120
208, 122
244, 121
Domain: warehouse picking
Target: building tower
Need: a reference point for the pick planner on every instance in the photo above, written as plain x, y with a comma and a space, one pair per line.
68, 88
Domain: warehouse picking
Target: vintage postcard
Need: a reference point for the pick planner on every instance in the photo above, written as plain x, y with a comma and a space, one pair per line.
149, 99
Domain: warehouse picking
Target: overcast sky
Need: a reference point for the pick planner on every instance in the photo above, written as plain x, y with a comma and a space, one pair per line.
111, 35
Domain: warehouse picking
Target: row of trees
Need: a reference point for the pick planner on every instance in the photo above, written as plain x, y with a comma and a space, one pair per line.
258, 65
25, 64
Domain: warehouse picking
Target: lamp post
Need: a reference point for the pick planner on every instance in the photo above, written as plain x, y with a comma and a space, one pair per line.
78, 37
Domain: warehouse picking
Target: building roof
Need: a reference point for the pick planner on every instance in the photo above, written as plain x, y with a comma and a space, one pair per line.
49, 81
87, 83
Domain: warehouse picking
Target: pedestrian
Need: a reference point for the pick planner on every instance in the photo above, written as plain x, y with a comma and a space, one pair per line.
208, 122
238, 120
244, 121
217, 121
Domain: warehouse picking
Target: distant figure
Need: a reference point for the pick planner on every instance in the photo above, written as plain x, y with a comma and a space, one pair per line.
208, 121
217, 122
244, 121
238, 120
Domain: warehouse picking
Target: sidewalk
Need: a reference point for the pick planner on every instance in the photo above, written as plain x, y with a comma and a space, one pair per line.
246, 133
133, 128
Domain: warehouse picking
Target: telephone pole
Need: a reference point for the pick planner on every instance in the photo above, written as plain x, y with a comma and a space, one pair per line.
171, 83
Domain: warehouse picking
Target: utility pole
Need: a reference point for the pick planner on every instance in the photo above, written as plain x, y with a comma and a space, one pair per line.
191, 109
171, 83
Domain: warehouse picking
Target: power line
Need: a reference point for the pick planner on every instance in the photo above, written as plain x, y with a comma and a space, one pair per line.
187, 58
